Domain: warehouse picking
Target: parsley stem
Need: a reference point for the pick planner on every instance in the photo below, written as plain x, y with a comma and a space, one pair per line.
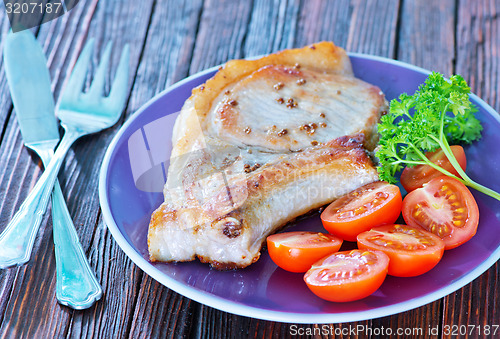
465, 179
451, 157
441, 126
445, 146
426, 161
483, 189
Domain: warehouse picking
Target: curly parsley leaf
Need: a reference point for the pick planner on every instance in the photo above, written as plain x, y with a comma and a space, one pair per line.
438, 113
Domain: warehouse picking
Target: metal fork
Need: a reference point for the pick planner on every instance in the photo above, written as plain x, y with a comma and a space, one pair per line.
80, 114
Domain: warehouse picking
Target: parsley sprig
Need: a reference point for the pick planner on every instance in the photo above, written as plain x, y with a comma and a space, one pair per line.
438, 114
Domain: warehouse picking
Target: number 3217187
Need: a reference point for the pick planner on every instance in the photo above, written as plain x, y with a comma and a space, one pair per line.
33, 7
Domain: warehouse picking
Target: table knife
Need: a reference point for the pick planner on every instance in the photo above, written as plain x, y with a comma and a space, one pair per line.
29, 83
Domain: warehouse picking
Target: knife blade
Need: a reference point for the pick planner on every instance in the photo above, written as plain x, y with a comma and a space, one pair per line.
29, 82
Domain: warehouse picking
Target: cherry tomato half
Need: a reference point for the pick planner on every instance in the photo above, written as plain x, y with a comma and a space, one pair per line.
347, 275
297, 251
412, 251
375, 204
445, 207
416, 176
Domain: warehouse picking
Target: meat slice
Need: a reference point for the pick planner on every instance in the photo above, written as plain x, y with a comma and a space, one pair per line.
261, 143
283, 109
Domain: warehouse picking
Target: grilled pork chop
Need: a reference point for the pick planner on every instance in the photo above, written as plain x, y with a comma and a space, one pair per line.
261, 143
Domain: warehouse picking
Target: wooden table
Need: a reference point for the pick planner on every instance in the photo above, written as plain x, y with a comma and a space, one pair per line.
169, 41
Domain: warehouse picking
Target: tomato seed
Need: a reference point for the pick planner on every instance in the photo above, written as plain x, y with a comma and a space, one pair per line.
347, 214
360, 210
323, 237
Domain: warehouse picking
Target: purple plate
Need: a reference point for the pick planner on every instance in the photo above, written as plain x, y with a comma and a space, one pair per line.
131, 181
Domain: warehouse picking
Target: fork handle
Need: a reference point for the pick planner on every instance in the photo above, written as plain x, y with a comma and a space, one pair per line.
16, 241
76, 284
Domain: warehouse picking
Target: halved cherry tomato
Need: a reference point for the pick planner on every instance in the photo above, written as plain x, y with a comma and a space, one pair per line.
347, 275
416, 176
297, 251
412, 251
445, 207
375, 204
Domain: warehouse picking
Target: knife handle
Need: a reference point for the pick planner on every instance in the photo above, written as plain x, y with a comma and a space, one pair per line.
16, 241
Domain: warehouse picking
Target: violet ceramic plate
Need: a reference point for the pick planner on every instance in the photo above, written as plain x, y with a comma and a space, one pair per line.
131, 181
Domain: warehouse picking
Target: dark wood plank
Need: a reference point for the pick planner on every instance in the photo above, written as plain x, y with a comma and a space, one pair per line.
219, 324
422, 322
478, 61
168, 49
478, 58
5, 101
120, 279
353, 26
425, 39
474, 308
371, 33
146, 323
169, 41
166, 58
227, 325
427, 35
271, 27
222, 32
63, 40
19, 170
325, 21
372, 29
227, 31
161, 312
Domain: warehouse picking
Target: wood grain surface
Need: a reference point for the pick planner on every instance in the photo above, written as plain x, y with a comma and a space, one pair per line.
170, 40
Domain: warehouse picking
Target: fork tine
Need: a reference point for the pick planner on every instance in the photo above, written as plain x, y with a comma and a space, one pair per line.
77, 78
96, 89
118, 92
